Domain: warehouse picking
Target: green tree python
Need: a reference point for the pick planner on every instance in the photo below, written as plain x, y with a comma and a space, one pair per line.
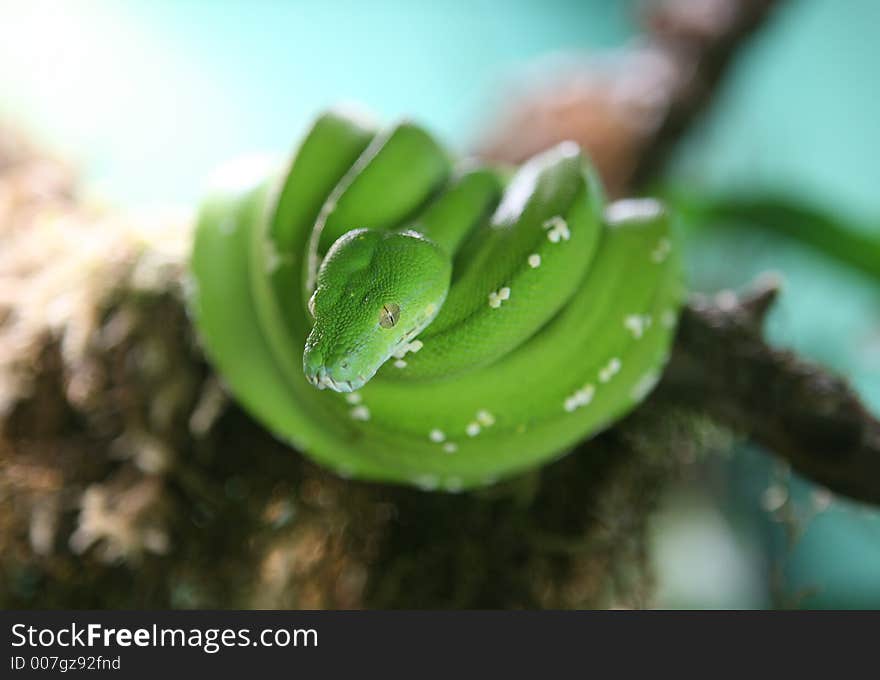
401, 316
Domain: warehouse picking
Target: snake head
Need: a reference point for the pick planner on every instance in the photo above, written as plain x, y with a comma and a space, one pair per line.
375, 292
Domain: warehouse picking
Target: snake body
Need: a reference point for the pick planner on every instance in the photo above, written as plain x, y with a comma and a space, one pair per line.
398, 316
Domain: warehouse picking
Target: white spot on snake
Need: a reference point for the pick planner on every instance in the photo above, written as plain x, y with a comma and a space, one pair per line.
581, 397
400, 363
669, 318
534, 260
353, 398
472, 429
360, 413
610, 370
437, 435
499, 296
413, 347
485, 418
426, 482
557, 229
661, 252
637, 324
450, 447
632, 209
644, 385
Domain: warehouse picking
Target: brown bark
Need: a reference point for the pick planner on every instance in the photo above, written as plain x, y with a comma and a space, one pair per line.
796, 409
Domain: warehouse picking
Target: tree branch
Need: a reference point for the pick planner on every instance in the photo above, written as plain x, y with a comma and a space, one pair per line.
122, 476
702, 38
629, 108
813, 419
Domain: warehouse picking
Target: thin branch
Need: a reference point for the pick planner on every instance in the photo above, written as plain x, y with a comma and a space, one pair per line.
813, 419
704, 38
629, 108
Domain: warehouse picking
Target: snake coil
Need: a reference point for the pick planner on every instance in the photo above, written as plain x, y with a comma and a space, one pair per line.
546, 315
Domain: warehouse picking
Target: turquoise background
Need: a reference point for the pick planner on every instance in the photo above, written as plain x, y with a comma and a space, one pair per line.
149, 97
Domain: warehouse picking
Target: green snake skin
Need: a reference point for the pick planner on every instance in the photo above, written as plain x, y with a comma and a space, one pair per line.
398, 315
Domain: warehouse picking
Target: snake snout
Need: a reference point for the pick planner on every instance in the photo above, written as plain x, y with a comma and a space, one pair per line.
335, 373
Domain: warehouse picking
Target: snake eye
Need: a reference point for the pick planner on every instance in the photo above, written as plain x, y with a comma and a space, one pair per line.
389, 315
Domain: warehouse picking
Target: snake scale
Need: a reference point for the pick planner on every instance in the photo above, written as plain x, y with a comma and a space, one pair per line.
400, 315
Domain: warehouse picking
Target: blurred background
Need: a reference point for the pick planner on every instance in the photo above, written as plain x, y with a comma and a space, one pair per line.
147, 98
